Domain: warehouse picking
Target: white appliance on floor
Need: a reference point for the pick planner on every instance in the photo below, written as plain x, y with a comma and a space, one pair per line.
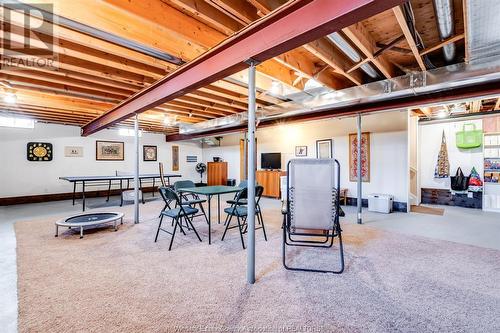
381, 203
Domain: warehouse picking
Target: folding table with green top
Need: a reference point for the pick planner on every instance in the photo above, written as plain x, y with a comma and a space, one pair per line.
209, 192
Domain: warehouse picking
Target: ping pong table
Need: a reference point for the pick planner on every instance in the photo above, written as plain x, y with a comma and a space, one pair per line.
108, 180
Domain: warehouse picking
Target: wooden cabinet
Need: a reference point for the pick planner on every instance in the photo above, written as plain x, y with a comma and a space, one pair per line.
270, 180
217, 173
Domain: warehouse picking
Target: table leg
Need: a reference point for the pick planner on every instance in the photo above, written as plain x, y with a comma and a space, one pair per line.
140, 188
57, 230
218, 208
109, 190
209, 197
83, 194
121, 193
153, 187
74, 192
81, 232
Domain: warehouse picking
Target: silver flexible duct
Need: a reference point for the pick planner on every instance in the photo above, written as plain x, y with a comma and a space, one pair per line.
446, 26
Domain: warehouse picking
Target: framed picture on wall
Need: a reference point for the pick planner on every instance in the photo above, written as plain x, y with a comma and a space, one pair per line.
175, 158
109, 151
324, 148
365, 157
149, 153
71, 151
300, 151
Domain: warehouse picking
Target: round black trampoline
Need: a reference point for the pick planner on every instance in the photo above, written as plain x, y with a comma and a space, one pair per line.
89, 219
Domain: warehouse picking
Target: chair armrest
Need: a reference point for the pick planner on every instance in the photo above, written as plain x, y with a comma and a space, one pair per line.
284, 207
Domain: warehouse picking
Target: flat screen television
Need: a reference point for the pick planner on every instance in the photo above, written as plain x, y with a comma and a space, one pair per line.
270, 161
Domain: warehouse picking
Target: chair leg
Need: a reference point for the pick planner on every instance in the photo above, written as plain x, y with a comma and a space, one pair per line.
173, 234
179, 222
241, 232
192, 226
244, 224
227, 219
341, 250
227, 225
163, 209
203, 211
261, 220
159, 226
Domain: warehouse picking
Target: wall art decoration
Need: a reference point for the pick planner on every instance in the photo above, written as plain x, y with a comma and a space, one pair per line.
39, 151
175, 158
72, 151
300, 151
324, 148
149, 153
365, 157
109, 151
442, 169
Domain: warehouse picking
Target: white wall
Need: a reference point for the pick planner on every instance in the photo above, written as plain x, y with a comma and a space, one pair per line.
18, 176
229, 151
430, 143
388, 149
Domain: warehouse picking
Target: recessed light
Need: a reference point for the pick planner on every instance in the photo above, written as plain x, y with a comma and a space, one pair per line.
10, 98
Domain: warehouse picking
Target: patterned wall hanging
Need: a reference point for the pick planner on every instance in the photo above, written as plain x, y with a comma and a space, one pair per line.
365, 157
442, 169
39, 151
175, 158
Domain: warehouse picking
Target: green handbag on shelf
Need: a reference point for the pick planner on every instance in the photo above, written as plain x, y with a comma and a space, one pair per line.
469, 138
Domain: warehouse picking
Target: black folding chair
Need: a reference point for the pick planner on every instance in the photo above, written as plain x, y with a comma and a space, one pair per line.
181, 212
242, 184
311, 211
240, 211
190, 199
163, 184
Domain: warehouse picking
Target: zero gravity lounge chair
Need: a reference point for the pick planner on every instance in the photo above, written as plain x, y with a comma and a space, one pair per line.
311, 210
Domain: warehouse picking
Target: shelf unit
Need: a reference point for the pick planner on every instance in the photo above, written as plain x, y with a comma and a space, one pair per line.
491, 192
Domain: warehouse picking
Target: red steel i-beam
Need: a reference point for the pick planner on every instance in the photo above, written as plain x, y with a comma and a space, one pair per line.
292, 25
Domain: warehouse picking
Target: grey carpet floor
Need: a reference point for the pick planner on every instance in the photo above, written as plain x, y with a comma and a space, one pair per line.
124, 282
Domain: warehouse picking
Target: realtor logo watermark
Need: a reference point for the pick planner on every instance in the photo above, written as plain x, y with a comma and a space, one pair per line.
27, 39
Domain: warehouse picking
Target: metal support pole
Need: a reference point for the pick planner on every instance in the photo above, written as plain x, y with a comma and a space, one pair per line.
245, 154
136, 169
360, 180
251, 175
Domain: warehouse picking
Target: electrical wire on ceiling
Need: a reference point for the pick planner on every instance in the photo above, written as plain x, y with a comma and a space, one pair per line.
410, 20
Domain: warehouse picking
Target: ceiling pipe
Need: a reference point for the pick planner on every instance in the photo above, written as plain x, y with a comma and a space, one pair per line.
446, 27
349, 51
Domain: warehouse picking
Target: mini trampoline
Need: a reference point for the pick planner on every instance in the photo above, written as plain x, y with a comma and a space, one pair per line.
89, 219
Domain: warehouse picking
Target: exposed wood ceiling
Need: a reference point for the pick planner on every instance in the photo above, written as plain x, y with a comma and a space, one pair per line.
92, 75
468, 107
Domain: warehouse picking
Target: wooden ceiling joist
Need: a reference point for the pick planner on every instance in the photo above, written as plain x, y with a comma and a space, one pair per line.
441, 44
398, 12
288, 27
93, 73
475, 106
328, 54
358, 34
65, 80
